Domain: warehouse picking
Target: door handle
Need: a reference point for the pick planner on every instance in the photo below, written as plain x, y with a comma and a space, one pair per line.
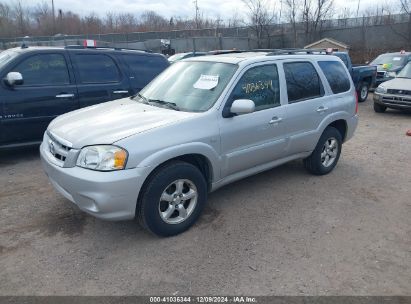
120, 92
322, 109
275, 120
65, 95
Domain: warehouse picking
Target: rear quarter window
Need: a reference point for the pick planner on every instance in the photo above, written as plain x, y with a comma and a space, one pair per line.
144, 68
336, 76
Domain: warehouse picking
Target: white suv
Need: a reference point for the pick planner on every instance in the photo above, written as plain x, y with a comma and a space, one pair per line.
201, 124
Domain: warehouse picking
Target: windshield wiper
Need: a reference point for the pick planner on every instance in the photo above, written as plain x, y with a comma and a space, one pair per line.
143, 99
170, 105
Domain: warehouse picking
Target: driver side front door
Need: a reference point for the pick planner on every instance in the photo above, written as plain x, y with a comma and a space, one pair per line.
253, 139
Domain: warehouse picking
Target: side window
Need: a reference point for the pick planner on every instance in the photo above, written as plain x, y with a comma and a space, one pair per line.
261, 85
303, 81
44, 69
96, 68
336, 76
145, 68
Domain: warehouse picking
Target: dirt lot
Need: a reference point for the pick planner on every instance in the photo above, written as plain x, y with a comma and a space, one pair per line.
282, 232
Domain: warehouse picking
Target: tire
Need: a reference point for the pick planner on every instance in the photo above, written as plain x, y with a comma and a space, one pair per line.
316, 163
163, 183
379, 108
363, 91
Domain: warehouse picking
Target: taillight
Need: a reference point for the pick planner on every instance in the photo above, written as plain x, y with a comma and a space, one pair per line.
356, 102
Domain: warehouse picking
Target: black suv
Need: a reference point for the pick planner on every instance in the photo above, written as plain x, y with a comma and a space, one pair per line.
40, 83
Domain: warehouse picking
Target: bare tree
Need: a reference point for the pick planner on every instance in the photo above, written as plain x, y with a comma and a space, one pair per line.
406, 6
292, 12
260, 17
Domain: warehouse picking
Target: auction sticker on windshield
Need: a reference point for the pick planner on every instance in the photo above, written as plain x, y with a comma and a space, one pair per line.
206, 82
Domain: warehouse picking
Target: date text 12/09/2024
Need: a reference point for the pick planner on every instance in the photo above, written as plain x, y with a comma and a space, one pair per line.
203, 299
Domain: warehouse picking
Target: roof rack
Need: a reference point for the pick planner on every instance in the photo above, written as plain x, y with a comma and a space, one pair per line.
82, 47
299, 52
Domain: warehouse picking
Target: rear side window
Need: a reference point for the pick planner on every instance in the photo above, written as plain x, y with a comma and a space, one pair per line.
303, 81
96, 68
261, 85
44, 69
144, 68
336, 76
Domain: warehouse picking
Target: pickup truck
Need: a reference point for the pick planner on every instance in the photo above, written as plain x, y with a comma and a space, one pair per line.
41, 83
363, 76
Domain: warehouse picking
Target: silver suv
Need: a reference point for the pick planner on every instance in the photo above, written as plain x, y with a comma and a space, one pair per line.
201, 124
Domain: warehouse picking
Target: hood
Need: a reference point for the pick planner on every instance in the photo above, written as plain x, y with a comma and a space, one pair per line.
111, 121
398, 84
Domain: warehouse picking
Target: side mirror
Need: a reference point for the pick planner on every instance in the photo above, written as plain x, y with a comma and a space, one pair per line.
367, 62
242, 106
14, 78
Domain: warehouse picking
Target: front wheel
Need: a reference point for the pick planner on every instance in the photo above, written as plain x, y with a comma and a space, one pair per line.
326, 154
363, 92
172, 199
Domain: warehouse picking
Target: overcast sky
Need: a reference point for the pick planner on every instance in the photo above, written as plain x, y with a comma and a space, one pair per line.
183, 8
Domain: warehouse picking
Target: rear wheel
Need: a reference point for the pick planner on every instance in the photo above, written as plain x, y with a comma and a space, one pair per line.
326, 154
379, 108
172, 199
363, 91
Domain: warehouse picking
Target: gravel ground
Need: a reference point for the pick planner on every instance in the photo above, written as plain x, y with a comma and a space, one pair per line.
282, 232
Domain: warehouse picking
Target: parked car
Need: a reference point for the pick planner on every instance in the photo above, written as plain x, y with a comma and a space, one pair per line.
389, 65
395, 93
38, 84
363, 76
157, 155
181, 56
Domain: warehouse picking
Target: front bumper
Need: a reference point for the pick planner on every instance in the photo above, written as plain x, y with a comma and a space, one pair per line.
400, 102
106, 195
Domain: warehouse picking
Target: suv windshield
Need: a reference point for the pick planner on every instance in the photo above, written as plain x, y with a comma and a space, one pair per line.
6, 57
389, 60
192, 86
405, 72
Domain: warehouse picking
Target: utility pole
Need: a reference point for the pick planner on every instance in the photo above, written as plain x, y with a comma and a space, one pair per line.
197, 11
54, 16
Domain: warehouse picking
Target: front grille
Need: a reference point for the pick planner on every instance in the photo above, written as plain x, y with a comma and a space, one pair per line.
404, 101
381, 75
58, 149
399, 92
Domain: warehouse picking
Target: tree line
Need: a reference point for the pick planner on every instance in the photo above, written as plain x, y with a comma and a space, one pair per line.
18, 20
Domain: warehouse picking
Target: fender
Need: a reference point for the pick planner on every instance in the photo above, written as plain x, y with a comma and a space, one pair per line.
341, 115
159, 157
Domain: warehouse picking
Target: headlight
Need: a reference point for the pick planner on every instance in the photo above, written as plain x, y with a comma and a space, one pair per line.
381, 89
391, 74
102, 158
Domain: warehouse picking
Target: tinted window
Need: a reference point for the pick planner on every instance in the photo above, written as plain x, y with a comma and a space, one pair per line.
302, 81
343, 57
261, 85
44, 69
96, 68
336, 76
145, 68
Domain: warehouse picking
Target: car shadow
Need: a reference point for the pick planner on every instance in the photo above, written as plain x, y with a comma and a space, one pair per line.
17, 155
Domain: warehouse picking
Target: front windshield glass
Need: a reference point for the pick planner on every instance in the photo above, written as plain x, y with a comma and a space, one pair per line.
405, 72
6, 57
389, 61
192, 86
